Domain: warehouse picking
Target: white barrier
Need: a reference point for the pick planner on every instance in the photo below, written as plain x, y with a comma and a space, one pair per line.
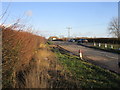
99, 44
112, 46
94, 44
105, 45
80, 53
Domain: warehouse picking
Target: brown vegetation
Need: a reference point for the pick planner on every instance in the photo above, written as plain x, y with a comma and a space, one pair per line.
29, 63
18, 48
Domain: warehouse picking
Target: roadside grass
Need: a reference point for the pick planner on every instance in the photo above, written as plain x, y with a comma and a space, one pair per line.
46, 72
86, 74
49, 43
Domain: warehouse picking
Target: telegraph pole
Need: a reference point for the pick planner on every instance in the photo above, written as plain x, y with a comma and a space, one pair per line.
69, 31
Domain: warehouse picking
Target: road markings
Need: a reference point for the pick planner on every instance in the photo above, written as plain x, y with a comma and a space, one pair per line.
111, 57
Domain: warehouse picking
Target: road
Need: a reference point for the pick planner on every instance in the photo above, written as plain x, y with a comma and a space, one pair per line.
103, 59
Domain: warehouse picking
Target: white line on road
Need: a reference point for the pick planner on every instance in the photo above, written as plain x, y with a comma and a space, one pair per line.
111, 57
103, 53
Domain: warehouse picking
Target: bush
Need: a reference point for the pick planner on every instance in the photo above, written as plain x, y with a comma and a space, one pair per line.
18, 48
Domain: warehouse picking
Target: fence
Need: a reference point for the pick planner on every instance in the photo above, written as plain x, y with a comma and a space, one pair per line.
106, 45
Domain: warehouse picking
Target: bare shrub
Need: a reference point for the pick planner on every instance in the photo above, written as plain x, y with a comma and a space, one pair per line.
28, 62
18, 49
38, 75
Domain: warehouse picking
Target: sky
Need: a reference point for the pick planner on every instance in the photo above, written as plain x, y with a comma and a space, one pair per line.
87, 19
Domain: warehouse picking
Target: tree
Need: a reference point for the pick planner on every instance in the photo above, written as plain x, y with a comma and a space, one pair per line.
114, 27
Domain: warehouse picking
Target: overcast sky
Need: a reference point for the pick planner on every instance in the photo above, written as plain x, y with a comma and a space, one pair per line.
87, 19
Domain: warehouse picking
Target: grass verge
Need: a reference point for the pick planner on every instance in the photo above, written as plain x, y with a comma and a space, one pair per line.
87, 75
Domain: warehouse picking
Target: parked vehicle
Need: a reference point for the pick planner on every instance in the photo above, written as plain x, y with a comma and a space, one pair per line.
71, 40
82, 41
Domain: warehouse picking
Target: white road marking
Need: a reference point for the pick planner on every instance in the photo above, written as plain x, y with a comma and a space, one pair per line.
111, 57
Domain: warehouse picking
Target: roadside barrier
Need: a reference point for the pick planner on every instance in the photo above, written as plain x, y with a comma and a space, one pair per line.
112, 46
80, 54
99, 44
105, 45
94, 44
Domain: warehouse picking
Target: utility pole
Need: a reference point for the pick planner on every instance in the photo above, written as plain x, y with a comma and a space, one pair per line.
69, 31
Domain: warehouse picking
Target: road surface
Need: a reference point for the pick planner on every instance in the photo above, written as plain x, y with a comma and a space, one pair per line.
104, 59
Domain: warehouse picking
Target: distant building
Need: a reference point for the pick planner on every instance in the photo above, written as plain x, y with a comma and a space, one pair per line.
53, 38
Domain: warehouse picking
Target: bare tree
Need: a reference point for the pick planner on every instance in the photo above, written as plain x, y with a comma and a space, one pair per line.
114, 27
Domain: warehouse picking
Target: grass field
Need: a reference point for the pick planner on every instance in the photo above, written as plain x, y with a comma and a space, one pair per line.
87, 75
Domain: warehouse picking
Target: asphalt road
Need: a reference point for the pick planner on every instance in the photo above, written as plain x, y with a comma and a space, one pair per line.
103, 59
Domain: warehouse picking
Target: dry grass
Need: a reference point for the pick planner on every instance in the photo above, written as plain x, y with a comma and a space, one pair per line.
17, 50
22, 42
38, 75
42, 71
29, 63
45, 71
